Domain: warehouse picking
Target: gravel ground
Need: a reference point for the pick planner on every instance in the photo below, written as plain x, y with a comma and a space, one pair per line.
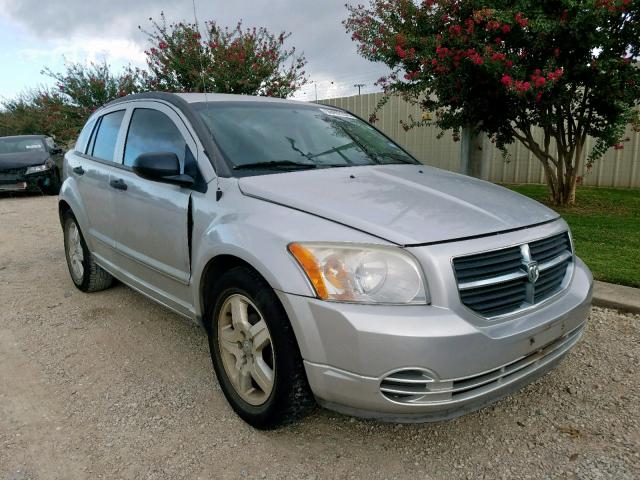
110, 385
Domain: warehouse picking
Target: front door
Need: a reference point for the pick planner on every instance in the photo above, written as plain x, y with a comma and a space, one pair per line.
152, 218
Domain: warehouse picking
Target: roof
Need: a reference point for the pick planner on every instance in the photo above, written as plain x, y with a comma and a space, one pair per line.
203, 97
228, 97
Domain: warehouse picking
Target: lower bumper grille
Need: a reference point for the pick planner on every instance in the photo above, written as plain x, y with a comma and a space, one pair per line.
12, 175
414, 386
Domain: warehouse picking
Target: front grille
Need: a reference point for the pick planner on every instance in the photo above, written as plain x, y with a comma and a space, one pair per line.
11, 175
503, 281
415, 386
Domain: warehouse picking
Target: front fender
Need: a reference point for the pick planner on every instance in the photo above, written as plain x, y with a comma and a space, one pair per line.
258, 232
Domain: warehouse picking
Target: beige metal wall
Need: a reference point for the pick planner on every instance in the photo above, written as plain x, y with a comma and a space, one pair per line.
618, 168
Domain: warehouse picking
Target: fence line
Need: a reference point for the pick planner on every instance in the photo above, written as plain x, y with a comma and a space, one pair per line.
618, 168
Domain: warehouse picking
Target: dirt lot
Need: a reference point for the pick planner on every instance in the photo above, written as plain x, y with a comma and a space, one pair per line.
109, 385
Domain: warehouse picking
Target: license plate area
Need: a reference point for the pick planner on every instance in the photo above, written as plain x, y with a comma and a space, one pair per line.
13, 185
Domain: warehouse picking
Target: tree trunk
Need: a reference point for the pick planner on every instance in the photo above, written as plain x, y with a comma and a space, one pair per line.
561, 180
472, 159
561, 172
565, 176
566, 194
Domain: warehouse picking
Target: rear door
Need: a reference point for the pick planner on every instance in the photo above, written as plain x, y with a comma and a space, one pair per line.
91, 169
152, 217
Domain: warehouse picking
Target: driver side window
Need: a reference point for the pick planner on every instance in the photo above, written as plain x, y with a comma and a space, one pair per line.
151, 131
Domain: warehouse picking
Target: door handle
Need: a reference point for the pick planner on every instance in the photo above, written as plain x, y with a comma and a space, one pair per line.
78, 170
118, 184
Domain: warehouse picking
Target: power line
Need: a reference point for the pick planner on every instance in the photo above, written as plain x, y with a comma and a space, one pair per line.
337, 89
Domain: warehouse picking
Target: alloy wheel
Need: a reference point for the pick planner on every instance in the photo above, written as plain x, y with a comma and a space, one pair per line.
75, 252
246, 349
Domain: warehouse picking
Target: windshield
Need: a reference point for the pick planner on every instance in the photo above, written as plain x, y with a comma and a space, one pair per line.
20, 145
261, 135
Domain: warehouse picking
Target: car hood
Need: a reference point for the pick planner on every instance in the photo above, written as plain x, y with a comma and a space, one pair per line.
10, 161
404, 204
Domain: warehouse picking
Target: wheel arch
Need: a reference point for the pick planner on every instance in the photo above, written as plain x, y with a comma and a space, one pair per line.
218, 265
69, 200
63, 209
213, 269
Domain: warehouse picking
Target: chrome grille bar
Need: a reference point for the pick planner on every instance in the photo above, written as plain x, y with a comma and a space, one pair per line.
500, 282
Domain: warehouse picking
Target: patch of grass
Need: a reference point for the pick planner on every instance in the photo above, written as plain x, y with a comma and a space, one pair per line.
605, 223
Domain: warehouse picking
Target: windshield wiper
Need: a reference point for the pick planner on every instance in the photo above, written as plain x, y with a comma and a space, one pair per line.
360, 145
377, 156
275, 164
398, 157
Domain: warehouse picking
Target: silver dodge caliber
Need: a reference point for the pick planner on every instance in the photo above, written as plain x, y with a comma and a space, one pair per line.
325, 263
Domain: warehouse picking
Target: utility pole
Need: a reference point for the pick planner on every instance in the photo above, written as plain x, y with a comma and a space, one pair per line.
315, 87
359, 86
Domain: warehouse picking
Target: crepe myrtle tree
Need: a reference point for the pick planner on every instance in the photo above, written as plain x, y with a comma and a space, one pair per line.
89, 86
568, 67
251, 61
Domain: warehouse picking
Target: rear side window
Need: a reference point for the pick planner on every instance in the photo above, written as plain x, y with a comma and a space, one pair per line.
151, 131
104, 143
83, 138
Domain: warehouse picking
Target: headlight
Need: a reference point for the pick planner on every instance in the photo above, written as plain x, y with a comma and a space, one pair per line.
38, 168
361, 273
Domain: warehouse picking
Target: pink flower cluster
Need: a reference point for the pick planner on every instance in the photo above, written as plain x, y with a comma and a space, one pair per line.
402, 53
521, 20
613, 5
412, 75
553, 76
538, 81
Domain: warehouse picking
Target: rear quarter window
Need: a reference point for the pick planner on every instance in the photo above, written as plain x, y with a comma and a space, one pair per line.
104, 142
83, 138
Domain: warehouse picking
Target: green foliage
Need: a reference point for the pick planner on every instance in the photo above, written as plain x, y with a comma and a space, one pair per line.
605, 230
88, 87
249, 61
41, 111
504, 67
61, 112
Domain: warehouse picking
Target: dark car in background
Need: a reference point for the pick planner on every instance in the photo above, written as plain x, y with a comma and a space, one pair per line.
30, 163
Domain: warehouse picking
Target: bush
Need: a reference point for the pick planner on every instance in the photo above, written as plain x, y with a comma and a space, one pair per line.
250, 61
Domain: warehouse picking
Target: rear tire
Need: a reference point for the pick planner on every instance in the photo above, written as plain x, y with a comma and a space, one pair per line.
259, 367
86, 274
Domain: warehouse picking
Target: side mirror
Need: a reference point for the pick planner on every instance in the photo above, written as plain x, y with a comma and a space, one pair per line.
56, 151
161, 167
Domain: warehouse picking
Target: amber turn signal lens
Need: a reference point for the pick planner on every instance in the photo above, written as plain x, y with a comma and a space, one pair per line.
310, 265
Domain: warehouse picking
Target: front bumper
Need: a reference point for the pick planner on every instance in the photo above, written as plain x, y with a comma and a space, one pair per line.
349, 350
25, 183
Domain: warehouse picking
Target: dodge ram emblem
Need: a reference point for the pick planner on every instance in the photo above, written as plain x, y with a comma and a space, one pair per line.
533, 272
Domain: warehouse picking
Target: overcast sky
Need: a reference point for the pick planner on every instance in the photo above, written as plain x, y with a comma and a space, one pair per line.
35, 33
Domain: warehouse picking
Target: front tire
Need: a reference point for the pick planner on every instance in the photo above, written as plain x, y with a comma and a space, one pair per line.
254, 352
86, 274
